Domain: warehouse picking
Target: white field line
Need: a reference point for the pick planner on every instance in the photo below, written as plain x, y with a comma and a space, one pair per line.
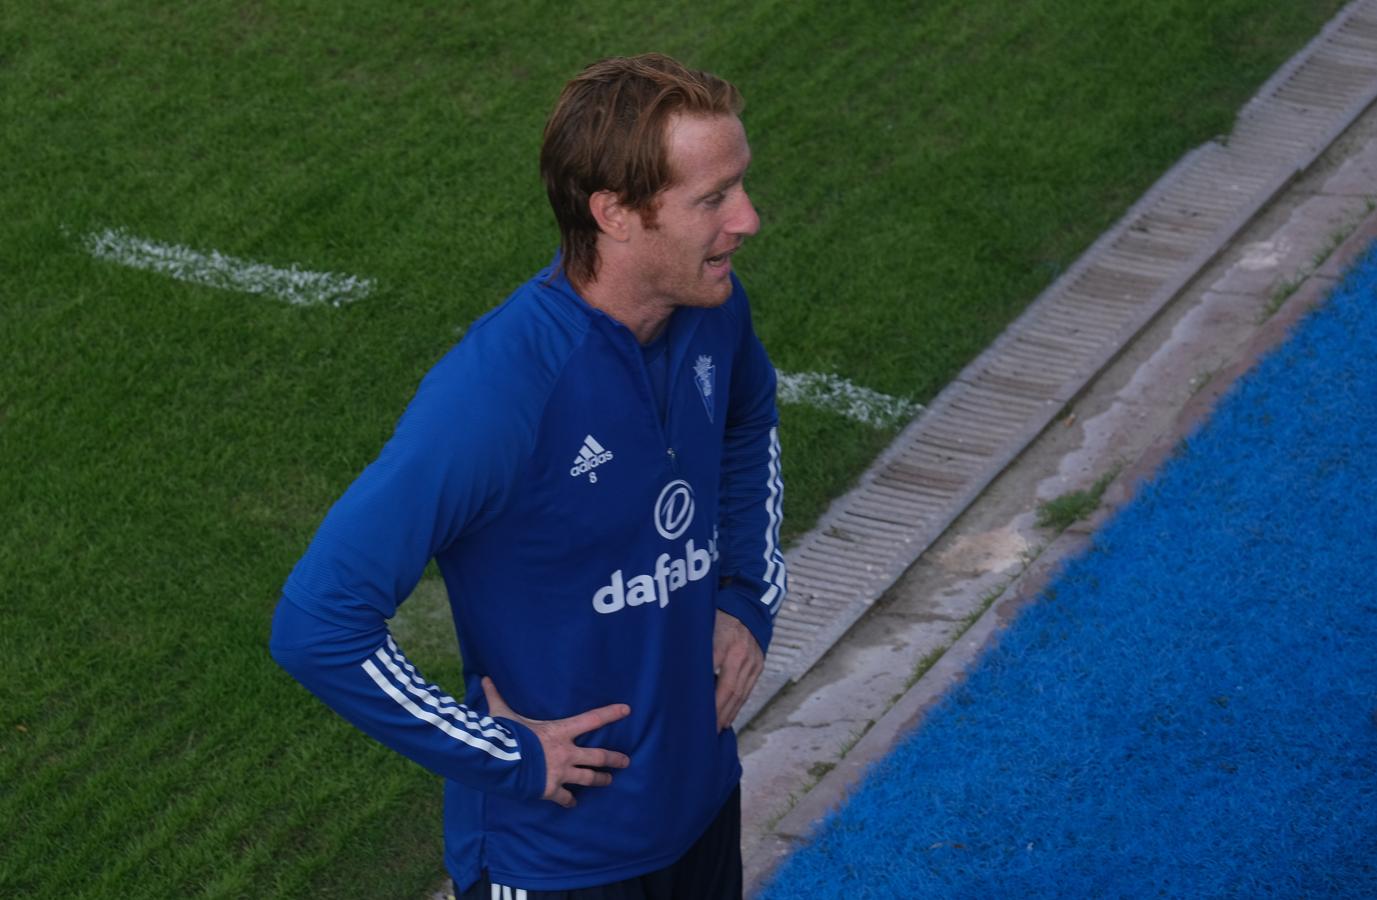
214, 269
305, 288
834, 393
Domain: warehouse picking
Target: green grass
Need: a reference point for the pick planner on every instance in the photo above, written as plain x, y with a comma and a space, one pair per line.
1062, 512
168, 449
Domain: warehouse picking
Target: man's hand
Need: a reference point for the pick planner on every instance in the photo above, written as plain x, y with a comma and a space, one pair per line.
737, 662
565, 761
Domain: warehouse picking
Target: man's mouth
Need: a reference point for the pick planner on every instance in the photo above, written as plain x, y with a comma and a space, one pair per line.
721, 258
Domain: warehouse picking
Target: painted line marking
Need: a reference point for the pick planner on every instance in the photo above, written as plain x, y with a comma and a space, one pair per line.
296, 286
836, 394
305, 288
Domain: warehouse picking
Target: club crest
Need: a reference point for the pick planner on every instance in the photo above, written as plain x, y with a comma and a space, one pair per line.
705, 376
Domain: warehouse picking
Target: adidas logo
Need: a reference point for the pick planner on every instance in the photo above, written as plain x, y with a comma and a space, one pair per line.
590, 456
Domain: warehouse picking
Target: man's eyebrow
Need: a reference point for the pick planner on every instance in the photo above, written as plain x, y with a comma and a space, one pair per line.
728, 182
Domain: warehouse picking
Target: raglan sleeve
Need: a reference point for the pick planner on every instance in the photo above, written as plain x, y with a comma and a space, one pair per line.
447, 464
752, 491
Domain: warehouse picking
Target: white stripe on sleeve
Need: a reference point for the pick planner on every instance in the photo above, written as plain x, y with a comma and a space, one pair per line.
391, 656
441, 723
774, 560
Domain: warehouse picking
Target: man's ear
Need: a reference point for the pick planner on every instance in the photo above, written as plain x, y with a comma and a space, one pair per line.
611, 215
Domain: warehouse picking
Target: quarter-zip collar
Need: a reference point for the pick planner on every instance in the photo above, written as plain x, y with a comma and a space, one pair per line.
682, 325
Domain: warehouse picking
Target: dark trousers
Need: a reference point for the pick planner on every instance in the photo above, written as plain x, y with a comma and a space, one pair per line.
710, 870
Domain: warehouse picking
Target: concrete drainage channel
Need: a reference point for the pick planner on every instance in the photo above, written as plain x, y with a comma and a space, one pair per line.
1052, 357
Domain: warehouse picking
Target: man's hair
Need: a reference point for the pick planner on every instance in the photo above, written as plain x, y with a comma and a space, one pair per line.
607, 133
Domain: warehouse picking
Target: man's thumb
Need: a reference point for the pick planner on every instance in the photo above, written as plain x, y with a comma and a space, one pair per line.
496, 705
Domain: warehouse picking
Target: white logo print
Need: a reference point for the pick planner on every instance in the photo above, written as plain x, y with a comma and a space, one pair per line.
590, 456
654, 587
705, 375
673, 515
674, 510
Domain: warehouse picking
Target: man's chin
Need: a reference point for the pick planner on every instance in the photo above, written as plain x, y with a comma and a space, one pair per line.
719, 289
719, 298
706, 294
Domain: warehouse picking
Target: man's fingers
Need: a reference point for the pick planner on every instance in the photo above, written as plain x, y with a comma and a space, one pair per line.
729, 703
734, 685
734, 704
587, 777
597, 758
565, 761
593, 719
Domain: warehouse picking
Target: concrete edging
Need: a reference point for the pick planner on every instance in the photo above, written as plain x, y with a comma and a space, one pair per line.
911, 709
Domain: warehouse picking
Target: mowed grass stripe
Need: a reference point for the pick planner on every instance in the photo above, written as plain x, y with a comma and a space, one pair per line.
160, 779
169, 448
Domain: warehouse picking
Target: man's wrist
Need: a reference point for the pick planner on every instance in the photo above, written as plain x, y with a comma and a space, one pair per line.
529, 783
735, 600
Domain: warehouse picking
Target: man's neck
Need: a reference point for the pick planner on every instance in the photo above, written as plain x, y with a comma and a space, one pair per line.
645, 318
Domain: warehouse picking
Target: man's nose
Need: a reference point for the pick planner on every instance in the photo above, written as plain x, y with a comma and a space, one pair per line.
746, 221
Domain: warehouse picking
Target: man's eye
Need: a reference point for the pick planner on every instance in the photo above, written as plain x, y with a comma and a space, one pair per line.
714, 199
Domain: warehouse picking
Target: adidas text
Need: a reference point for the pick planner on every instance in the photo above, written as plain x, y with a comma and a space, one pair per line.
590, 456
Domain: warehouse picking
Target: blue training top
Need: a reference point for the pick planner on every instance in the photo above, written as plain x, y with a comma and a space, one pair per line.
586, 543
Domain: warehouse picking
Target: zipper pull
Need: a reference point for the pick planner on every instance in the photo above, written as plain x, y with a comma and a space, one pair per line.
673, 459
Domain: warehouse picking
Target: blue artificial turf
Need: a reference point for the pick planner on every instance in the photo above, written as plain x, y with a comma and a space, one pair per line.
1189, 710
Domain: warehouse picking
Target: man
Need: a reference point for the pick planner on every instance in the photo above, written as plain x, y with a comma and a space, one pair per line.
595, 469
